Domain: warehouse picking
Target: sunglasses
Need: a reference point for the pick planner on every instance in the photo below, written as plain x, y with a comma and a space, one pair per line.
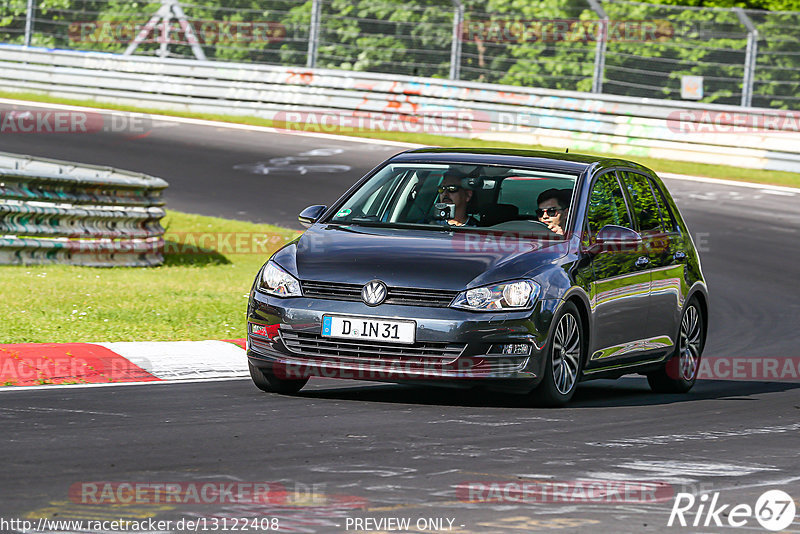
449, 188
551, 212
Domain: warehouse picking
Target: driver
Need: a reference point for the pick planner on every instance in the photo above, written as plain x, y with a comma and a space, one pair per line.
451, 191
553, 208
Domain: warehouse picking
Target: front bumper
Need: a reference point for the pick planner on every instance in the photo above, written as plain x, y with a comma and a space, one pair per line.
451, 344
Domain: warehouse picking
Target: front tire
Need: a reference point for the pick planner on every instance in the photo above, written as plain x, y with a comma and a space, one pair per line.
266, 380
680, 373
564, 359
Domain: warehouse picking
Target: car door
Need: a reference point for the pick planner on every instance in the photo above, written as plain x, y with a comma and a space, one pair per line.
620, 287
662, 240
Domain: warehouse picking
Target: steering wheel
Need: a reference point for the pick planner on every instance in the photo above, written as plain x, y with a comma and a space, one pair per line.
540, 223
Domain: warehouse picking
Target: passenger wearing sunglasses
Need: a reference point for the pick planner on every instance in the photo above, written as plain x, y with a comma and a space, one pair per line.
553, 208
451, 191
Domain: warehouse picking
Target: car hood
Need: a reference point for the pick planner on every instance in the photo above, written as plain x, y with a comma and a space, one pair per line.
415, 258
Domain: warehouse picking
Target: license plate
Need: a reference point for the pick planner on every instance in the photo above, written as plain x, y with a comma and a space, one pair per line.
369, 329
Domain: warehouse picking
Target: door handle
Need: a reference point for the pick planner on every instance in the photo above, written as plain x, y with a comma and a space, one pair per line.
642, 261
680, 255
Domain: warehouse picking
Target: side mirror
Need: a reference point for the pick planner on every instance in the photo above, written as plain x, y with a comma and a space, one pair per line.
612, 238
311, 214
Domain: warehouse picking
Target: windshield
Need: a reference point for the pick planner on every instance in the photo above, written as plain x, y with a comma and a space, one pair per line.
462, 196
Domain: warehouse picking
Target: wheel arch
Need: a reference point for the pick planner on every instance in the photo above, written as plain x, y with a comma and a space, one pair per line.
581, 301
700, 294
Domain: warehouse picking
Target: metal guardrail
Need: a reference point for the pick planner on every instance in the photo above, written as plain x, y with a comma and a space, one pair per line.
58, 212
633, 127
730, 55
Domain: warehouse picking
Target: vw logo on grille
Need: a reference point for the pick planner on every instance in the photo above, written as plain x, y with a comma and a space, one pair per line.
373, 293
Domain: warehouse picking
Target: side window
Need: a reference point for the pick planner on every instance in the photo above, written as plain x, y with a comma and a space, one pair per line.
645, 205
606, 205
670, 224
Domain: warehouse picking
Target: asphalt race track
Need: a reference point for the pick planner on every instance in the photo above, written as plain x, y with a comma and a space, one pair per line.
345, 451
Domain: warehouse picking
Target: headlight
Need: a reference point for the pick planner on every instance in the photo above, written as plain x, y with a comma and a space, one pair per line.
506, 296
276, 281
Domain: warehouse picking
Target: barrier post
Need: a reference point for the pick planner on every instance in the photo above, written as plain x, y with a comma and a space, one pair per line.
600, 47
313, 34
28, 23
750, 56
455, 48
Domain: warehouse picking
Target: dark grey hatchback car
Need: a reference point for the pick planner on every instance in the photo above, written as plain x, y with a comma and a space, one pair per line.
518, 270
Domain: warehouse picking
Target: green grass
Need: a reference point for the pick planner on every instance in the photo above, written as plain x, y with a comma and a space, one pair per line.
197, 293
659, 165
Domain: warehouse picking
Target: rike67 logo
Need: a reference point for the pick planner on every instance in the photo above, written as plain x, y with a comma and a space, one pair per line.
774, 510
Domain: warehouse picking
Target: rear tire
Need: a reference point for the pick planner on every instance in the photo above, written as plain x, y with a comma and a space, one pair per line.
564, 359
266, 380
680, 372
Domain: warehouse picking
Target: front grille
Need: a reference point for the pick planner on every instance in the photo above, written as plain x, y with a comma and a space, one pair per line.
258, 345
404, 296
333, 291
351, 351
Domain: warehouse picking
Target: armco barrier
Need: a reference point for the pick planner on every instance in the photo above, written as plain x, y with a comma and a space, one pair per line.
58, 212
633, 127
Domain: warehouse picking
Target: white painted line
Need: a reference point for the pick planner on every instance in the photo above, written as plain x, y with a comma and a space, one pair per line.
778, 192
667, 439
639, 476
777, 483
694, 469
60, 410
181, 360
789, 191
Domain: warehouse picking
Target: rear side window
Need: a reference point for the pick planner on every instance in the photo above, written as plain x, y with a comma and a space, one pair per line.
606, 205
667, 218
645, 204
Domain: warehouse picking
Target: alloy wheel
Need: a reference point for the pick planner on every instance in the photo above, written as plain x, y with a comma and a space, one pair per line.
566, 353
691, 340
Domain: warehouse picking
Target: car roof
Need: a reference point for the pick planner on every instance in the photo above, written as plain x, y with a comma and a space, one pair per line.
539, 159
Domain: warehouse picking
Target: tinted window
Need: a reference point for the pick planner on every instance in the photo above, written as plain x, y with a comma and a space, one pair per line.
645, 205
667, 218
483, 195
523, 191
606, 205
